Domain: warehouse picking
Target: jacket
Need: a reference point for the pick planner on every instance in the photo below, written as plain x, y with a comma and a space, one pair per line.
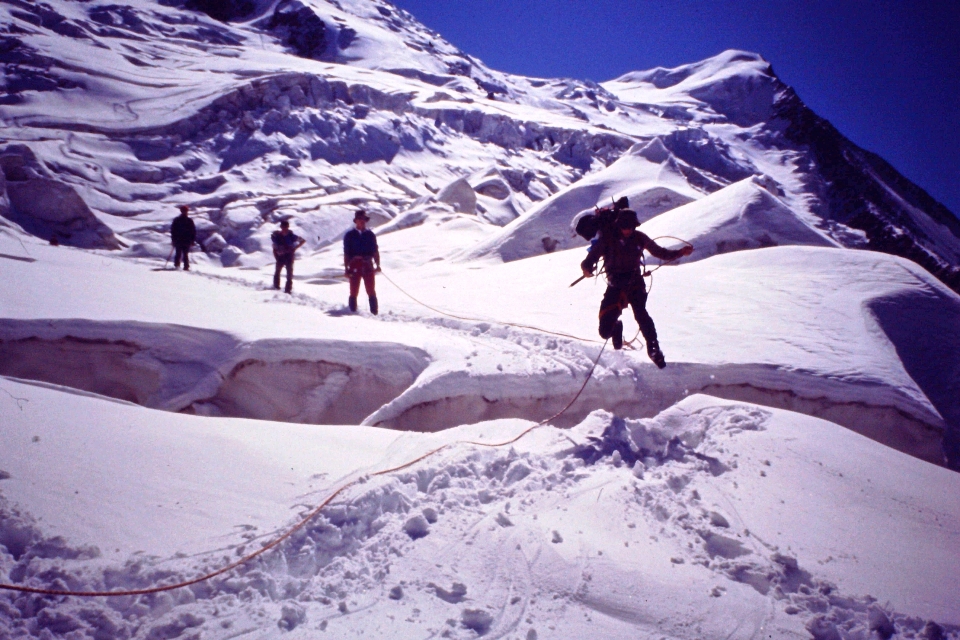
363, 244
183, 232
284, 244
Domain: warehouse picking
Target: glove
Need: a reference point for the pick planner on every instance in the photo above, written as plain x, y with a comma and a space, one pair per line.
687, 250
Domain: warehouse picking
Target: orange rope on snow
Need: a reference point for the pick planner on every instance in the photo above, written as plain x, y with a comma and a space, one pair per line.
303, 521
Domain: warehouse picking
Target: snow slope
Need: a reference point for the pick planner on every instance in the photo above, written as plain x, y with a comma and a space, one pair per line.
716, 516
744, 215
824, 340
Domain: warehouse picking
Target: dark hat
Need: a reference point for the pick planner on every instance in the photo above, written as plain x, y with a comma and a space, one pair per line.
361, 215
627, 219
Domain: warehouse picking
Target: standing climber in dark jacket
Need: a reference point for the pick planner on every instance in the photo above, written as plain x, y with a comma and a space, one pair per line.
285, 245
623, 259
360, 252
183, 233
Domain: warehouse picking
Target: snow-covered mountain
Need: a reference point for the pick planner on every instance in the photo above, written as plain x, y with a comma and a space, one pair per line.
787, 475
323, 105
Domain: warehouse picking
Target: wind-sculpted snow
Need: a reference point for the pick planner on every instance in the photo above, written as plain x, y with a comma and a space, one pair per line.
745, 215
558, 535
923, 325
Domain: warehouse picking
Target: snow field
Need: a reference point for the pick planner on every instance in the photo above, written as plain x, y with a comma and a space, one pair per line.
494, 540
129, 453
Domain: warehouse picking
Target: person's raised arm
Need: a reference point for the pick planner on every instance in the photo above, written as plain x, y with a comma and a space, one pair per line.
665, 254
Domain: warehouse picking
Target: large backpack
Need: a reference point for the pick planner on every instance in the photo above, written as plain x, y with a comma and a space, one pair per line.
603, 219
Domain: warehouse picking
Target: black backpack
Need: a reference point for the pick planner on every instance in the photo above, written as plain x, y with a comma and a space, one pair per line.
603, 219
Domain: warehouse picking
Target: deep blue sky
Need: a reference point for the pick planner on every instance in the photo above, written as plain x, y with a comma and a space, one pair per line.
885, 73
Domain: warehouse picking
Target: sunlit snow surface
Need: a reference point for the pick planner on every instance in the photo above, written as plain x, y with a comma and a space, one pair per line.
783, 476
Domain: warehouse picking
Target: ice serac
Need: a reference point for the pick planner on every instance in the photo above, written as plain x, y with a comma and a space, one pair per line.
648, 174
848, 188
300, 101
745, 215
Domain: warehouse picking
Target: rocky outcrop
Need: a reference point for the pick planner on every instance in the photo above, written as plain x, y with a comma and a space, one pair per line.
301, 29
861, 190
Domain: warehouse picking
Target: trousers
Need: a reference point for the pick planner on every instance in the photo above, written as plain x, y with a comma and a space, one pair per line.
284, 261
361, 268
181, 251
623, 290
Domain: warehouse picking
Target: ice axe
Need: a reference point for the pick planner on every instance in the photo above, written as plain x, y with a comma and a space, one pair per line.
579, 279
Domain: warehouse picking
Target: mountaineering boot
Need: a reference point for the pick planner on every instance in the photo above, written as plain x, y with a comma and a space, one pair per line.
618, 335
653, 350
373, 305
352, 303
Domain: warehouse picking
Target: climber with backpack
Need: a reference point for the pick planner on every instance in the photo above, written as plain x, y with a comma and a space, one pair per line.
617, 240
